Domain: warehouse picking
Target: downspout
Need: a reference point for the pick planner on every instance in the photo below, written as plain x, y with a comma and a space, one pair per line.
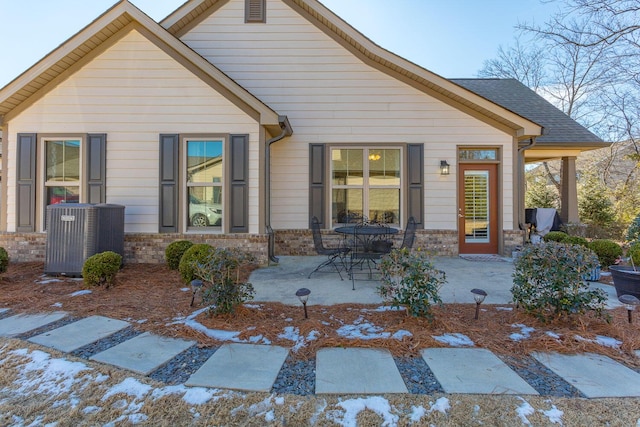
286, 130
521, 180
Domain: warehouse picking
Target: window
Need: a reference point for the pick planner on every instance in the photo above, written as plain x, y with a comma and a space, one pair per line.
63, 168
204, 182
366, 181
478, 154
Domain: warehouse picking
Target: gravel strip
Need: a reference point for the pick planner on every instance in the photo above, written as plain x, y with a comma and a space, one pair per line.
46, 328
541, 378
103, 344
180, 368
296, 377
417, 375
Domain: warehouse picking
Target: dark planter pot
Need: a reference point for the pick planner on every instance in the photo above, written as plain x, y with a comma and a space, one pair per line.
626, 280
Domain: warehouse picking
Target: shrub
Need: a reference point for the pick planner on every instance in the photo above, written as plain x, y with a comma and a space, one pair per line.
555, 236
101, 269
411, 280
633, 232
575, 240
196, 254
606, 250
634, 253
220, 272
4, 260
547, 281
173, 253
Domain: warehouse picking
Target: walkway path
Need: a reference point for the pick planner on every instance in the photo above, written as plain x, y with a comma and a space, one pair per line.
251, 367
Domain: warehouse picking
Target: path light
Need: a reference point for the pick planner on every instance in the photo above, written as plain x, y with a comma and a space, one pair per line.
478, 295
303, 296
630, 303
196, 285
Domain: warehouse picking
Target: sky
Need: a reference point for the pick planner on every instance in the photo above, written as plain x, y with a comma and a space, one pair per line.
449, 37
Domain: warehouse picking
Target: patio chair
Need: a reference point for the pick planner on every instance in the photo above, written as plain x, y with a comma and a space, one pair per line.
409, 234
333, 254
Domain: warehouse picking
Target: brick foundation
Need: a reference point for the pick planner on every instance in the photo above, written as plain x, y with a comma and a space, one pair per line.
149, 248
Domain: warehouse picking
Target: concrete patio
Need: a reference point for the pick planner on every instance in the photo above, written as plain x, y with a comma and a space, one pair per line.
279, 282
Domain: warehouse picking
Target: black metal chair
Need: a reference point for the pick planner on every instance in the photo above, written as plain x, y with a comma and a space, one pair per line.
332, 253
370, 243
409, 234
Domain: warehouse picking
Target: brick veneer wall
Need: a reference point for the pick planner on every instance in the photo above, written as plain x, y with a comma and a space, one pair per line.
149, 248
138, 247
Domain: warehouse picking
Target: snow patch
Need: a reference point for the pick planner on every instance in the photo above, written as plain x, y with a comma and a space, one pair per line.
601, 340
82, 292
352, 407
525, 332
524, 410
454, 340
554, 414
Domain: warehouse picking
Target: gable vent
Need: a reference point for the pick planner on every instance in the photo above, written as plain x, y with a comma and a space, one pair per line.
255, 11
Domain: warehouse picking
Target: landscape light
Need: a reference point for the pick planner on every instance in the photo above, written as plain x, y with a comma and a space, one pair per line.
478, 295
303, 296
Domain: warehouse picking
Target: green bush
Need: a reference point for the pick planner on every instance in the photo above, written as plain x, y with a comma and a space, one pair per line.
633, 232
555, 236
575, 240
606, 250
224, 288
101, 269
547, 281
196, 254
173, 253
410, 279
4, 260
634, 253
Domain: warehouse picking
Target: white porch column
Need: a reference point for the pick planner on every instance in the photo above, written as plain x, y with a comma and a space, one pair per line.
569, 193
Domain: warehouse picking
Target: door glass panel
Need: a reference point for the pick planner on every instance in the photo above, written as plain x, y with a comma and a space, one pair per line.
478, 154
476, 206
346, 201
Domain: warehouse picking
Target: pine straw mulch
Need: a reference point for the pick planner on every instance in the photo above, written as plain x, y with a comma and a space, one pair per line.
152, 297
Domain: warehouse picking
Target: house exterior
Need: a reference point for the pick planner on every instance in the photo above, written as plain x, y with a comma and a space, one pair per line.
234, 122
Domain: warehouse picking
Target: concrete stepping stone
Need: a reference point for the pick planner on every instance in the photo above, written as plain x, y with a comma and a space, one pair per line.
358, 371
21, 323
78, 334
143, 354
594, 375
247, 367
473, 371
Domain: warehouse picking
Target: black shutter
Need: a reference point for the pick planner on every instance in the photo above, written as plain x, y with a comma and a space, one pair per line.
239, 188
169, 186
317, 183
26, 183
96, 177
415, 184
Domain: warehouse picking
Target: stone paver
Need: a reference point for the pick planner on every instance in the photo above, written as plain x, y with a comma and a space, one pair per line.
21, 323
473, 370
357, 370
4, 310
594, 375
248, 367
144, 353
78, 334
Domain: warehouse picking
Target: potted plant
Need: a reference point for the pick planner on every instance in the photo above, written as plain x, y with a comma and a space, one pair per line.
626, 278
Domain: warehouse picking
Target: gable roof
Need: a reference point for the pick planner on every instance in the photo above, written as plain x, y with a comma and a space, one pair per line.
102, 33
194, 11
559, 129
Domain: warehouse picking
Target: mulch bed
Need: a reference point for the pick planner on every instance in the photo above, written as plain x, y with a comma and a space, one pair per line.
152, 297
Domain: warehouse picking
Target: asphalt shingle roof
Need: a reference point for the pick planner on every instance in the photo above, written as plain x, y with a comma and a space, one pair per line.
518, 98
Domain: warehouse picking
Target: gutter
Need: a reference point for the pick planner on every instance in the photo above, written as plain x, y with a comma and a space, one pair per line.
286, 130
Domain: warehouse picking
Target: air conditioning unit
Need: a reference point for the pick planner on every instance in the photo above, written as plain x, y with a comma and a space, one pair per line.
76, 231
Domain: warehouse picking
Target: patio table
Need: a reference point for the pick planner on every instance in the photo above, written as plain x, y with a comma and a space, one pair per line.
369, 243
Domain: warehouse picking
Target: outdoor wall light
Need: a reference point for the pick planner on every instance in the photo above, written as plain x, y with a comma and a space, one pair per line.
196, 285
303, 296
478, 295
630, 303
444, 167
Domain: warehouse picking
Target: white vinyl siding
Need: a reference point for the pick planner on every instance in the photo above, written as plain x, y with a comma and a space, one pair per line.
332, 97
134, 92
